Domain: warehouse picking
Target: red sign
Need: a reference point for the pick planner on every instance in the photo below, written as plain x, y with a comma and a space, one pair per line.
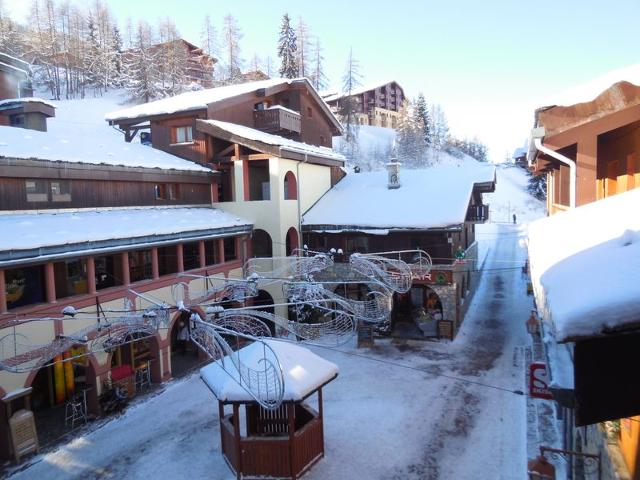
538, 381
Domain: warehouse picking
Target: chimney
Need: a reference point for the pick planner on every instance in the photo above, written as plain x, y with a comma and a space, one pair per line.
393, 169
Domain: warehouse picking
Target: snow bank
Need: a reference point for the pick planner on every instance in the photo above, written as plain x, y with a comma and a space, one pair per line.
40, 229
303, 372
192, 100
431, 198
269, 139
587, 262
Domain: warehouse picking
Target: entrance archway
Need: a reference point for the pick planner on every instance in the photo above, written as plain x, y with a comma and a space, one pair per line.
292, 240
264, 300
261, 243
416, 313
185, 355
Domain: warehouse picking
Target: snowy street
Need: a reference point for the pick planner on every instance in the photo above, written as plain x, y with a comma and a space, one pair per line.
402, 410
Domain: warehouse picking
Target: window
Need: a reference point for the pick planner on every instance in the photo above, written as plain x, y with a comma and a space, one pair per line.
259, 185
108, 271
211, 252
24, 286
290, 186
167, 191
60, 191
140, 265
36, 190
167, 260
309, 112
70, 277
230, 252
183, 134
16, 120
191, 255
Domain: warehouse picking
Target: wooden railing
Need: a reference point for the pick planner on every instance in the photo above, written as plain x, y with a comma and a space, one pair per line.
276, 119
308, 445
478, 213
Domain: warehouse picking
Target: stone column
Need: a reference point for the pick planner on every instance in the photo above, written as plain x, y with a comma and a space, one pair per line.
3, 293
50, 282
180, 257
202, 254
155, 269
221, 250
126, 275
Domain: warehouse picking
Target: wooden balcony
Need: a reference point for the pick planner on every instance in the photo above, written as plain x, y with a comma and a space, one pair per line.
277, 120
478, 213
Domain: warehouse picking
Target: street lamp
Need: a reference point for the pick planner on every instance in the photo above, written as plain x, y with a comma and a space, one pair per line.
532, 324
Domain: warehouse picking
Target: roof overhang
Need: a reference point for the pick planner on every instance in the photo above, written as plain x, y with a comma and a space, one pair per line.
275, 150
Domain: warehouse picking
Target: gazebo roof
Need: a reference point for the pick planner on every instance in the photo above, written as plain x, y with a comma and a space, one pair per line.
303, 371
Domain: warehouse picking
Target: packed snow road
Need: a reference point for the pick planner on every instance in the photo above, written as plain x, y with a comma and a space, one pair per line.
401, 410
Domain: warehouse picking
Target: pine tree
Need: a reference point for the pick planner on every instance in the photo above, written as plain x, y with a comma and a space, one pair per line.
142, 75
117, 56
318, 78
348, 107
421, 111
302, 48
440, 130
231, 36
287, 49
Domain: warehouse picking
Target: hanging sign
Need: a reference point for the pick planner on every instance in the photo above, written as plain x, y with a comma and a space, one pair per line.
538, 381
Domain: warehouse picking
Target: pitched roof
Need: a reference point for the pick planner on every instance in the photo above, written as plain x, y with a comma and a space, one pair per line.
283, 144
432, 198
200, 99
66, 144
585, 264
303, 372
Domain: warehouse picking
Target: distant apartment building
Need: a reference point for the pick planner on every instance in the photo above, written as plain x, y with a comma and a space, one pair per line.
377, 104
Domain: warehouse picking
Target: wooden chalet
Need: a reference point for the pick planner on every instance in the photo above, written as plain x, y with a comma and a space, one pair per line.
86, 220
269, 140
432, 210
377, 104
588, 145
199, 65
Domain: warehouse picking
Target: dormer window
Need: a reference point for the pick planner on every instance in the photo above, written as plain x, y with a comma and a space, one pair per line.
182, 135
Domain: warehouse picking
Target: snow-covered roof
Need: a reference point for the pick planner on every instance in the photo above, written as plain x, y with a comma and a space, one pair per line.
28, 231
358, 91
587, 263
10, 101
94, 147
192, 100
590, 90
432, 198
275, 140
303, 371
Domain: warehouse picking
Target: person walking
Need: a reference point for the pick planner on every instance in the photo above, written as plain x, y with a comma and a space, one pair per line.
183, 338
514, 218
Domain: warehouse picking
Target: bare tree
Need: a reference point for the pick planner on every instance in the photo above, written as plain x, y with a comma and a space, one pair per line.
302, 48
317, 76
231, 36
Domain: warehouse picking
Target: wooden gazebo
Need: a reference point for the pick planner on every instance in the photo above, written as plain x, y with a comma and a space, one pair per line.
280, 443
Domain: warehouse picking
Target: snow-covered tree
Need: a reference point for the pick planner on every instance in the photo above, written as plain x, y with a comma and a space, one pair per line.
230, 51
348, 107
287, 49
411, 147
439, 130
317, 76
140, 65
421, 112
302, 48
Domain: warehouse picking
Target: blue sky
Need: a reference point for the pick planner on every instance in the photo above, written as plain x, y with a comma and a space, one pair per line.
489, 64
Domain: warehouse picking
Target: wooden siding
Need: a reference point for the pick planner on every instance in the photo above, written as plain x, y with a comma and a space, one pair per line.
163, 138
94, 194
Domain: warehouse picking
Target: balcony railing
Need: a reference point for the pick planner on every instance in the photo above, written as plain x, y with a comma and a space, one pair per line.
478, 213
277, 119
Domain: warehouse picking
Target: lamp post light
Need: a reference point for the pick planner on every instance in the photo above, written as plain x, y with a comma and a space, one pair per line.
532, 324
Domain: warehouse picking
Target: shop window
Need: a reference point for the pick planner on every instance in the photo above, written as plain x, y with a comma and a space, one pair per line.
290, 186
182, 134
191, 255
167, 260
108, 271
140, 265
230, 251
167, 191
211, 252
70, 277
24, 286
60, 191
261, 244
259, 184
36, 190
